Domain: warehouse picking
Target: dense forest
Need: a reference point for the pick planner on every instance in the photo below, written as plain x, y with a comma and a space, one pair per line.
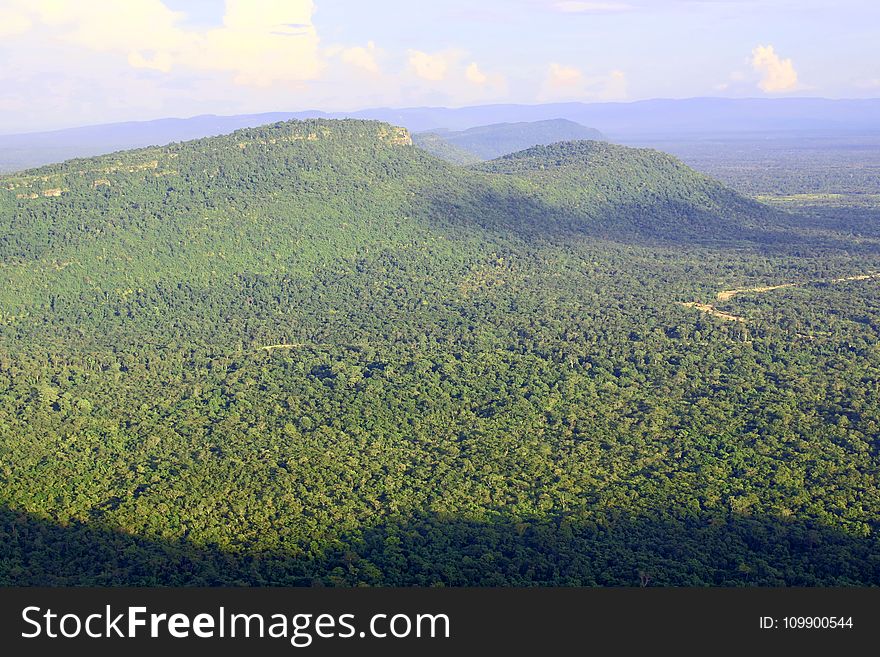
312, 353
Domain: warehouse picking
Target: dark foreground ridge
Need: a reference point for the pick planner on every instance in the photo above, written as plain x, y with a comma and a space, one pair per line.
443, 551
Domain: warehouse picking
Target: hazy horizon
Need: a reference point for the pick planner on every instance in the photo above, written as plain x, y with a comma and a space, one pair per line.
393, 108
96, 62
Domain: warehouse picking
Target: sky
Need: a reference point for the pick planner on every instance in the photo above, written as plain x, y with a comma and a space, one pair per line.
78, 62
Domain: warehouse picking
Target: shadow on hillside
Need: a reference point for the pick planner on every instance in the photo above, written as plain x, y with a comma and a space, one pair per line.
745, 224
854, 220
433, 550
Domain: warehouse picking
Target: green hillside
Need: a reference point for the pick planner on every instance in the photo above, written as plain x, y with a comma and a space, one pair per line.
313, 353
487, 142
647, 193
294, 199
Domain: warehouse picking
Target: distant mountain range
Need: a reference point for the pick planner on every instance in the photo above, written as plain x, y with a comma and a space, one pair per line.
650, 119
490, 141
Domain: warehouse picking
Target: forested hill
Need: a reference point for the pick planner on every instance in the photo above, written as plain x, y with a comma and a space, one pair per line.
292, 181
645, 191
490, 141
312, 353
294, 198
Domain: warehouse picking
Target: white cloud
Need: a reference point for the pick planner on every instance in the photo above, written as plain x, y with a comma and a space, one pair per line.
93, 61
614, 86
160, 61
360, 57
872, 83
563, 78
443, 78
287, 16
261, 42
573, 7
734, 80
105, 25
13, 22
777, 74
429, 67
474, 75
569, 83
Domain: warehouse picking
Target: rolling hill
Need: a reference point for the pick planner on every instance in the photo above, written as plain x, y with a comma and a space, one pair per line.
490, 141
295, 196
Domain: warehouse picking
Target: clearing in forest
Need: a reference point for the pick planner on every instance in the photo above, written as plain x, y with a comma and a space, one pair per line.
726, 295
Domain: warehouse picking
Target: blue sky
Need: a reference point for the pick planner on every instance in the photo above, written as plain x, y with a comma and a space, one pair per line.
90, 61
